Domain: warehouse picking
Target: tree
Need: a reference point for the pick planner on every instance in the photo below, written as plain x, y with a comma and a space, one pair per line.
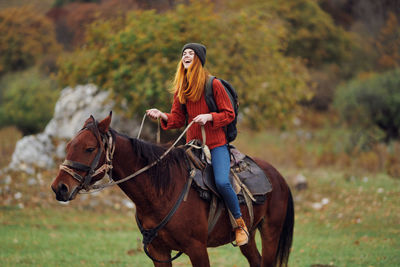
25, 37
388, 44
136, 58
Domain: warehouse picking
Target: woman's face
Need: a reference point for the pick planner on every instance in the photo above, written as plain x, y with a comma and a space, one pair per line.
187, 57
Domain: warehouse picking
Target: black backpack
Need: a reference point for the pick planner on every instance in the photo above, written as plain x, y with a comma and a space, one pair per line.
230, 129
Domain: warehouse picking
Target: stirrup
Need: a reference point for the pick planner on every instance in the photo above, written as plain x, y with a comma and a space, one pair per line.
248, 237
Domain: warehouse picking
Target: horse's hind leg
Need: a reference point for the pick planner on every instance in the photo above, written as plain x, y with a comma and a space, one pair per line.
270, 230
250, 251
270, 239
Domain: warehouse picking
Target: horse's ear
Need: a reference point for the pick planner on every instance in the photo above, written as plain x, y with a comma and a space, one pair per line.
89, 120
104, 125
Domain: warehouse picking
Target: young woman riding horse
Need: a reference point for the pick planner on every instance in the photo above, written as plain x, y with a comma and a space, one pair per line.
156, 180
97, 150
189, 84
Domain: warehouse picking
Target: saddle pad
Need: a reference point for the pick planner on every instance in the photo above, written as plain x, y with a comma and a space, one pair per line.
249, 173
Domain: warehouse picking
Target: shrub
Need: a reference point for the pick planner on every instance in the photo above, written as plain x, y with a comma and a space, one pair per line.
372, 102
28, 100
25, 37
60, 3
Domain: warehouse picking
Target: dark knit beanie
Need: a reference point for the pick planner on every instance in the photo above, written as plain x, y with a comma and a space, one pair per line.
199, 49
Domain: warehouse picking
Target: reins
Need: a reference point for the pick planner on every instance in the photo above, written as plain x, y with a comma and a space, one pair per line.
102, 186
68, 165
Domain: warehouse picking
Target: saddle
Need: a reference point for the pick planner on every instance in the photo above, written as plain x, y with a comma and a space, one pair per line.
249, 176
248, 180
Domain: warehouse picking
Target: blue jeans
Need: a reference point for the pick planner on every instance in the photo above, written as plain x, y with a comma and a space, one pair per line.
221, 166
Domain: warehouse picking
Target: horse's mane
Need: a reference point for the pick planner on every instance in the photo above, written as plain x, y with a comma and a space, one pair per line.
160, 174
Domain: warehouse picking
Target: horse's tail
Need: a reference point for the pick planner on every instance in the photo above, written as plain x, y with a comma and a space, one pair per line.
286, 238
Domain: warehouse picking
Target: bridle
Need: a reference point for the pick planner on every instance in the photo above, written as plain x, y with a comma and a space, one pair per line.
107, 145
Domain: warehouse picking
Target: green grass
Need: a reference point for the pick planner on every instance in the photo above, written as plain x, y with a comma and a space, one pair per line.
66, 237
358, 227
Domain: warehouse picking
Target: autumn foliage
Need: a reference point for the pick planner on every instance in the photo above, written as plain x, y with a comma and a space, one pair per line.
25, 37
388, 44
280, 57
136, 58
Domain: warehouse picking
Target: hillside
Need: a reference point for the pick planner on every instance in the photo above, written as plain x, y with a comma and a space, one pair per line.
41, 5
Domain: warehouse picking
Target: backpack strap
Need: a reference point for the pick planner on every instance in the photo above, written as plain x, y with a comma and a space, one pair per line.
209, 95
212, 106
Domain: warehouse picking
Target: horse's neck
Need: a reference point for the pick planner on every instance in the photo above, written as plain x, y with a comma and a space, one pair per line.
139, 189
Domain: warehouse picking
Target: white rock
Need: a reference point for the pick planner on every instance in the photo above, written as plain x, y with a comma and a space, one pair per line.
7, 179
316, 206
127, 203
325, 201
300, 182
32, 150
74, 106
32, 181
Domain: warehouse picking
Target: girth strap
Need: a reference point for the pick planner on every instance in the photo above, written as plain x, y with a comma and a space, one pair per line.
150, 234
214, 214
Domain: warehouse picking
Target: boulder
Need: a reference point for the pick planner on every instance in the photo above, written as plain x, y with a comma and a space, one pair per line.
75, 105
298, 181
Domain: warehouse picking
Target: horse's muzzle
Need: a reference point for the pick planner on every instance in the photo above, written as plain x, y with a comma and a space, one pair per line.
63, 193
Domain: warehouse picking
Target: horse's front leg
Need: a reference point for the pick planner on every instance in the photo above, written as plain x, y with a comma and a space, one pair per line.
161, 254
198, 255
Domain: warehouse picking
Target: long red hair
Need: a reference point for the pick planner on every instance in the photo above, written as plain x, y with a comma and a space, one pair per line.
189, 84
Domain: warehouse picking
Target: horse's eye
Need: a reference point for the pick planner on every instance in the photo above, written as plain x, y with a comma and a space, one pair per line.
90, 149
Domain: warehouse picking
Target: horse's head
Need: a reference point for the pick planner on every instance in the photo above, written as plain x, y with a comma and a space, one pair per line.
85, 153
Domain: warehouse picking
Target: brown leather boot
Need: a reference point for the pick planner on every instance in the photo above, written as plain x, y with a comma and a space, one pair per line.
242, 234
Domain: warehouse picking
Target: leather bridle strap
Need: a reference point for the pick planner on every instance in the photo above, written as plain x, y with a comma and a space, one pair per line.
69, 166
76, 165
106, 145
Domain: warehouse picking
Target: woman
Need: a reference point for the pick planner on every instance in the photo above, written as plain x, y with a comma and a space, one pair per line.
189, 84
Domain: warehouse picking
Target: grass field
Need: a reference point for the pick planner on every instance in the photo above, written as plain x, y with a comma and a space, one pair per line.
358, 225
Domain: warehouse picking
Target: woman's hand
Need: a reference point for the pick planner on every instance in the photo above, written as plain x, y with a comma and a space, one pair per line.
203, 118
155, 114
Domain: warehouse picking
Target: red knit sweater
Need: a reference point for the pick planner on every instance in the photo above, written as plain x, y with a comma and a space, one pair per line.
215, 135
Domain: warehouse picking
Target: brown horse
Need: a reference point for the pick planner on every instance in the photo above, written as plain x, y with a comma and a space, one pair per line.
156, 190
